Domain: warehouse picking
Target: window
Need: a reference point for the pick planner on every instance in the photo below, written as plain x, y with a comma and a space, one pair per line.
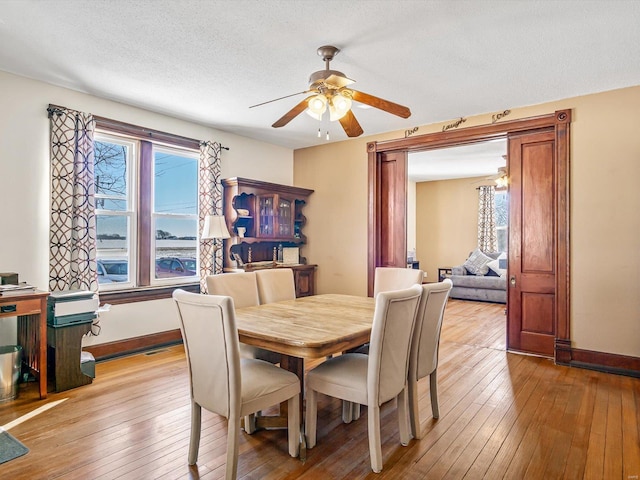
502, 218
175, 214
115, 236
146, 212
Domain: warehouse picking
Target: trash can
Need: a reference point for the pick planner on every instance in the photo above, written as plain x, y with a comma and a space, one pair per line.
10, 361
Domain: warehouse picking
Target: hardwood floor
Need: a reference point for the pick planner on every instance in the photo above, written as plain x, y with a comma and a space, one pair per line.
501, 416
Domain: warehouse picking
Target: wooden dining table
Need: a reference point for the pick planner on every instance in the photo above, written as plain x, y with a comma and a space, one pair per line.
305, 328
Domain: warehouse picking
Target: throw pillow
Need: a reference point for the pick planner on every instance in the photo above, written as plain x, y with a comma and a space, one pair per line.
477, 262
495, 265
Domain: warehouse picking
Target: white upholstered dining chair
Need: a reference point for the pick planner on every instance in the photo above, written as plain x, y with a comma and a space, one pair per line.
423, 361
385, 279
275, 285
394, 278
375, 378
222, 382
243, 288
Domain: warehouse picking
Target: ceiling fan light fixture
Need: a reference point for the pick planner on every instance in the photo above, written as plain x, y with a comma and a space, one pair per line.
317, 106
338, 107
503, 180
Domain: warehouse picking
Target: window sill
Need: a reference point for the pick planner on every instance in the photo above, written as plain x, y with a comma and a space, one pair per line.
144, 294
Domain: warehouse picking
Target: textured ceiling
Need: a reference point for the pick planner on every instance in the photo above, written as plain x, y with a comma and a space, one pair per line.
475, 160
208, 61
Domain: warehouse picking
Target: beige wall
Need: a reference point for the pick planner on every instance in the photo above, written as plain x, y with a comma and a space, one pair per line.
336, 213
24, 195
411, 216
446, 225
604, 224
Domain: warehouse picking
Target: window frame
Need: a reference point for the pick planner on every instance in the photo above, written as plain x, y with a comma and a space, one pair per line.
130, 212
156, 215
143, 289
505, 227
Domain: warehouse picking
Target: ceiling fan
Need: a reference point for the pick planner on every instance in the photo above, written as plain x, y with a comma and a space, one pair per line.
500, 178
330, 92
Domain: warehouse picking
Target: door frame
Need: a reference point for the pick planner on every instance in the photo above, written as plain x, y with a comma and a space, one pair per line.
559, 122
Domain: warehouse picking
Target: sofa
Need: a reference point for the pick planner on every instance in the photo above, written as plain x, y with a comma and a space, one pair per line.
483, 277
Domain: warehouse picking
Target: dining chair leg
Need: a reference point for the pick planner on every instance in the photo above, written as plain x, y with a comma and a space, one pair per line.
311, 418
293, 425
355, 411
403, 420
249, 423
433, 390
196, 424
375, 446
347, 411
233, 445
414, 415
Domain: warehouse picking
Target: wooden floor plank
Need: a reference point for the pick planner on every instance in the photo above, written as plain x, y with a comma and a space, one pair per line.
498, 405
462, 396
613, 435
561, 429
630, 391
577, 457
541, 434
594, 467
499, 449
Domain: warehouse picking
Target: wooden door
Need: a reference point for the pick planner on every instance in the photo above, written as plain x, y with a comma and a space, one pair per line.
388, 230
531, 290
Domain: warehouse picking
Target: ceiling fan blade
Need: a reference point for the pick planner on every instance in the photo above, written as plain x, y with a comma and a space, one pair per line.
351, 126
291, 114
276, 99
385, 105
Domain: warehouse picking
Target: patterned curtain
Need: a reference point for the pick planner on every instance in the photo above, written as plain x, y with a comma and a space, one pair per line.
487, 234
72, 234
209, 203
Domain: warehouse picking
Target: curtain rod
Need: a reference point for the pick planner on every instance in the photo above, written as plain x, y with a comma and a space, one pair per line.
138, 131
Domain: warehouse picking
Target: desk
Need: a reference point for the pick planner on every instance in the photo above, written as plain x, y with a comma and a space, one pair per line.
307, 327
31, 310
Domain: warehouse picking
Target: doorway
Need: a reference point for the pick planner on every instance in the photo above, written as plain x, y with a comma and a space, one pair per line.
538, 311
442, 203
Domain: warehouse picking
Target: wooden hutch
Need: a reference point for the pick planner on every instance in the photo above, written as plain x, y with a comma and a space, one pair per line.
270, 218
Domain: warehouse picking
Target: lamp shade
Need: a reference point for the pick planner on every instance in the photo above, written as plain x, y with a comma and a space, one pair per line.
339, 106
215, 226
317, 106
503, 180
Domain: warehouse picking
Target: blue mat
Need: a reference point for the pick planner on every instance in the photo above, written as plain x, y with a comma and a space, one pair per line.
10, 448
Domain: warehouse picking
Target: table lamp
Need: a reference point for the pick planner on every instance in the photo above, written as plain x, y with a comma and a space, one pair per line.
215, 227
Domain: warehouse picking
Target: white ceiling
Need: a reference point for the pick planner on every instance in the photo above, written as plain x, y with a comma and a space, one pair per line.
477, 160
207, 61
